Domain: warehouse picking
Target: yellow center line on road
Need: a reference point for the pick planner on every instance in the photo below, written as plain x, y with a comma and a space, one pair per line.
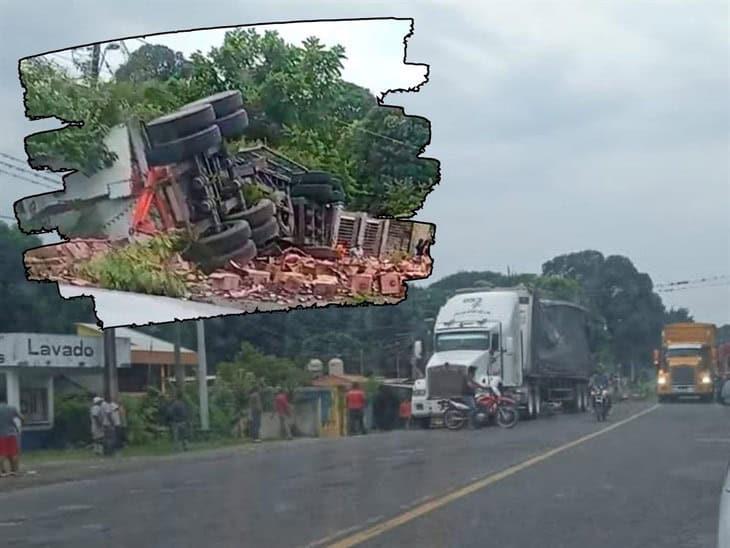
434, 504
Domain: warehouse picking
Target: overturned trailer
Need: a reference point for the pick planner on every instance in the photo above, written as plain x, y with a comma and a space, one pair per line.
180, 172
539, 348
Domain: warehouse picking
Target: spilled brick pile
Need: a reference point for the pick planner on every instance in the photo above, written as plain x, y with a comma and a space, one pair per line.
291, 278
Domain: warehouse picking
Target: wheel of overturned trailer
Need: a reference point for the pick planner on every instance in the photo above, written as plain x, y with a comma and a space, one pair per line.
223, 103
255, 215
172, 152
242, 256
233, 125
266, 232
232, 236
179, 124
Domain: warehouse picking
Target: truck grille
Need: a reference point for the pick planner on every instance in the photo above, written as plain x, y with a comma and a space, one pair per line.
683, 375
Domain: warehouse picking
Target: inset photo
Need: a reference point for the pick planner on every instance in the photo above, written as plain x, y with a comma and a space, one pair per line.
249, 168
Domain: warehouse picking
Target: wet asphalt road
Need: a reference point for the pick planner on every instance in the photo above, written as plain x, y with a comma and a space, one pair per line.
652, 481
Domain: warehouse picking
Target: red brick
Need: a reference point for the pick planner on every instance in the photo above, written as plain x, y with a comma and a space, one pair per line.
294, 282
325, 286
361, 283
225, 281
390, 283
259, 276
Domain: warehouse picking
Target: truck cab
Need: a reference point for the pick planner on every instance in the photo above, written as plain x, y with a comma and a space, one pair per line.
687, 362
475, 328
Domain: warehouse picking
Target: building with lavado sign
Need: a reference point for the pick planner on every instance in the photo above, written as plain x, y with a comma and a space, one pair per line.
34, 367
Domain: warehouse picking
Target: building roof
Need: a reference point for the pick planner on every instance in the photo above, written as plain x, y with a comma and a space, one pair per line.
146, 348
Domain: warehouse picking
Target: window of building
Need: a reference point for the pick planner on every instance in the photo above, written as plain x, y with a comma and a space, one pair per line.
34, 405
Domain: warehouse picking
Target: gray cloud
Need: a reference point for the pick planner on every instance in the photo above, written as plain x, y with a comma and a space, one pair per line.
558, 129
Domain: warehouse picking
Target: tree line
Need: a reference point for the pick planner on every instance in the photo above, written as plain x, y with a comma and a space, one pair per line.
627, 314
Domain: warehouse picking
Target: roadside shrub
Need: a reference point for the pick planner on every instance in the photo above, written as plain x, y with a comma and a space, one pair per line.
72, 426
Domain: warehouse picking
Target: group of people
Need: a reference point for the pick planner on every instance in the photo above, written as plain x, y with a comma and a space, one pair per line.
283, 409
10, 422
385, 401
108, 426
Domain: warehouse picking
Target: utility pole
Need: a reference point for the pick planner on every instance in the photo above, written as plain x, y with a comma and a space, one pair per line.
202, 378
110, 364
179, 367
95, 61
362, 364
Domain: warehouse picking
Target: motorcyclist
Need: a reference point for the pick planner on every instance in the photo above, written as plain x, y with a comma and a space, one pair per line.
600, 381
469, 390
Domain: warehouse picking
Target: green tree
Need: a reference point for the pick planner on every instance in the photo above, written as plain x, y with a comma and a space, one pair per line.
153, 62
33, 306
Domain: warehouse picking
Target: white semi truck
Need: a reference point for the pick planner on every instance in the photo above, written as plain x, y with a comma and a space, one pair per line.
536, 347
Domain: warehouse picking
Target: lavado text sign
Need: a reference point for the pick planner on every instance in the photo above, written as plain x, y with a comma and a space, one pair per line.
42, 350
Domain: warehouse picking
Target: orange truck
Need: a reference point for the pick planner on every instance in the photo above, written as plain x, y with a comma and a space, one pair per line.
687, 364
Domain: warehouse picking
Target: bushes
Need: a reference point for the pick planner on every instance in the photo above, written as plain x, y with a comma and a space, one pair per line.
72, 426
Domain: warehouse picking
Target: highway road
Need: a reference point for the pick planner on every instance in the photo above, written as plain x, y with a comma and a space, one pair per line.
651, 476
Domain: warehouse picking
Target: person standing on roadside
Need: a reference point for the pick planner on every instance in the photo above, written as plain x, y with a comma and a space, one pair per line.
97, 425
179, 421
283, 410
108, 427
355, 400
9, 447
118, 418
405, 413
256, 409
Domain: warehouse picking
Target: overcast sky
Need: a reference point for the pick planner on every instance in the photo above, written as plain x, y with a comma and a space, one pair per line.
561, 126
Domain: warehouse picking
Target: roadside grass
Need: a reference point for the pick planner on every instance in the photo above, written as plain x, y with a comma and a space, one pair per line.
157, 448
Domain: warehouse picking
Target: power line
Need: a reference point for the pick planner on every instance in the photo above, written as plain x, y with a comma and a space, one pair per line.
30, 173
687, 282
25, 165
29, 180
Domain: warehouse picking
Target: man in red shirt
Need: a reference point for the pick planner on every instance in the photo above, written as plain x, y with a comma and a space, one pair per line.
355, 400
283, 410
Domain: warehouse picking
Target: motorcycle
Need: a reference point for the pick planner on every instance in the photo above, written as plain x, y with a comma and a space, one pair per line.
600, 403
489, 408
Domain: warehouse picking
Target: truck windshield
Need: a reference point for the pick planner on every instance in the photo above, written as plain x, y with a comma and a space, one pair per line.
683, 352
462, 341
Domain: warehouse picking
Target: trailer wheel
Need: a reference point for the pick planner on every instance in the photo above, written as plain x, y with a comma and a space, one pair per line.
317, 192
178, 150
255, 215
266, 232
179, 124
233, 125
538, 402
211, 244
242, 255
531, 402
583, 404
223, 103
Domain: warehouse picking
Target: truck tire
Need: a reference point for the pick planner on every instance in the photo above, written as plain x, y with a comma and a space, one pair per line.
242, 255
185, 148
223, 103
233, 125
234, 235
531, 413
538, 402
256, 215
179, 124
266, 232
